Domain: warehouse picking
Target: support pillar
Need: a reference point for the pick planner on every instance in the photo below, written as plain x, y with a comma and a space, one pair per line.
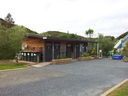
97, 49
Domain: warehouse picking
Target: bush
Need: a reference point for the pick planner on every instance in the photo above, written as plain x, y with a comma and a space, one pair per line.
92, 51
10, 41
84, 55
125, 50
61, 57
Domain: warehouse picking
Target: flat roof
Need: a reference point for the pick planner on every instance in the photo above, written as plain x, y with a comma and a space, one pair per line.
58, 38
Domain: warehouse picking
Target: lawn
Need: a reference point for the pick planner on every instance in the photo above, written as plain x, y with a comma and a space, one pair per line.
4, 65
121, 91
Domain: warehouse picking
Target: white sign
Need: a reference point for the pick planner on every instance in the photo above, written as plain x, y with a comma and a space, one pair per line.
44, 37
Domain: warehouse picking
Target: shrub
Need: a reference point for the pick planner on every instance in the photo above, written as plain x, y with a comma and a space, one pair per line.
61, 57
84, 55
125, 50
92, 51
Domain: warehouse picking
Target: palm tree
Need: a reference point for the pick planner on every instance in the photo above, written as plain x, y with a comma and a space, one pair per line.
89, 32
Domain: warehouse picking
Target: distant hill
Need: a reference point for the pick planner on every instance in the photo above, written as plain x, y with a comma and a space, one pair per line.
122, 35
6, 24
9, 25
63, 35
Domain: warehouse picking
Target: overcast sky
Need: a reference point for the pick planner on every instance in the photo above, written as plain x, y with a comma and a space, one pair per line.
109, 17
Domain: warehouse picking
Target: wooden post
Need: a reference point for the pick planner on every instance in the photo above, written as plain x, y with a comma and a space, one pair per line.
97, 49
44, 52
52, 50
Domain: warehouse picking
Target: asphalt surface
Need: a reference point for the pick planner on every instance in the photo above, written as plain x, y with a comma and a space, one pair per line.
79, 78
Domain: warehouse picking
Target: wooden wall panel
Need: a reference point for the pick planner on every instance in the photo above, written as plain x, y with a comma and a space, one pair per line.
32, 44
62, 49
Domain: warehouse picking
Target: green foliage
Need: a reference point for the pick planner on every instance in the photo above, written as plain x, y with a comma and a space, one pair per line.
8, 24
84, 55
89, 32
112, 37
74, 36
63, 35
91, 51
61, 57
45, 34
9, 19
125, 50
10, 41
105, 44
5, 23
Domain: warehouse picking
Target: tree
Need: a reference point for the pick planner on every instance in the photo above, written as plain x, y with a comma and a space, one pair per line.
11, 40
125, 50
9, 19
89, 32
105, 44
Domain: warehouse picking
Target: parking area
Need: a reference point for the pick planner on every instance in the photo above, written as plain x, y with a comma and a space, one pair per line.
79, 78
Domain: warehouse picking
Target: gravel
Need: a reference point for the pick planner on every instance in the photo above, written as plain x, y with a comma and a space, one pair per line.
79, 78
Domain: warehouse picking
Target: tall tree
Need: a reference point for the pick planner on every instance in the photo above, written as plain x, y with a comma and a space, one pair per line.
10, 41
105, 43
89, 32
9, 19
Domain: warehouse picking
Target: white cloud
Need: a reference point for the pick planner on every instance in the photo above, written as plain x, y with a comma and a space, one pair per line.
103, 16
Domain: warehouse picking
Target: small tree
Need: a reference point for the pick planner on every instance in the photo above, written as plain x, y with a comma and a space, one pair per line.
10, 41
105, 44
9, 19
89, 32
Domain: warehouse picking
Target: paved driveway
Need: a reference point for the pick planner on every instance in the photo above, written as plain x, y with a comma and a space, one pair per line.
80, 78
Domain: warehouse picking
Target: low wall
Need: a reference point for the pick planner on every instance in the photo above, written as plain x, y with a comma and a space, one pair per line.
95, 56
61, 61
125, 59
84, 58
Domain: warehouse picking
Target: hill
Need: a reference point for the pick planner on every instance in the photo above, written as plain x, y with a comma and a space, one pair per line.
122, 35
63, 35
9, 25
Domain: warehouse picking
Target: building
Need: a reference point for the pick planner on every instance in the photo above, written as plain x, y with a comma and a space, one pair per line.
51, 47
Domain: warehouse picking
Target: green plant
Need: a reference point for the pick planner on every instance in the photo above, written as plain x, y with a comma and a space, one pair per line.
84, 55
125, 50
105, 44
61, 57
91, 51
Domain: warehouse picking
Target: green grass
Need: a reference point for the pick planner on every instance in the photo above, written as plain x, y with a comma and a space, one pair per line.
12, 66
121, 91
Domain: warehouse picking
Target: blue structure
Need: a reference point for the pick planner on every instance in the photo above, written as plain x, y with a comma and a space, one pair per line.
117, 57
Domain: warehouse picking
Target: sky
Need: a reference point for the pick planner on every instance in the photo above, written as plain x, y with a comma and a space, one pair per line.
108, 17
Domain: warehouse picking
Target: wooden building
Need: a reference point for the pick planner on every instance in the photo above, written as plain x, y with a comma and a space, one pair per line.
51, 47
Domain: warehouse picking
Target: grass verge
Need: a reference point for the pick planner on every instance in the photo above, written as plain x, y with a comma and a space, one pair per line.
121, 91
12, 66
